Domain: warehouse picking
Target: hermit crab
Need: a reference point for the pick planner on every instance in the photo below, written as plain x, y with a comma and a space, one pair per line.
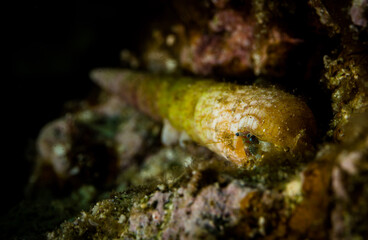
244, 124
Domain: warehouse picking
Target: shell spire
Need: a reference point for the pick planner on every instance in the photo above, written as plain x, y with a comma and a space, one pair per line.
245, 124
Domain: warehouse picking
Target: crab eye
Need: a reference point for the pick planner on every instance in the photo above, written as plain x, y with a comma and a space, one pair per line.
248, 137
253, 139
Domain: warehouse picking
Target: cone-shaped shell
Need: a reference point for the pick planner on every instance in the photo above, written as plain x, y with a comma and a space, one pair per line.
219, 115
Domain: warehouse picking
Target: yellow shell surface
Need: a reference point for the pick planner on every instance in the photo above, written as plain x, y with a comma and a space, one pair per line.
212, 113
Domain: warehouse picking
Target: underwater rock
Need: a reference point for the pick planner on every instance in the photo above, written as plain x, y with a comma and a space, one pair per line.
92, 145
243, 47
357, 11
54, 145
349, 182
228, 41
337, 179
182, 215
346, 77
325, 17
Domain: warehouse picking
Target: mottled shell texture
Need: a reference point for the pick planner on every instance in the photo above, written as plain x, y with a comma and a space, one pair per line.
242, 123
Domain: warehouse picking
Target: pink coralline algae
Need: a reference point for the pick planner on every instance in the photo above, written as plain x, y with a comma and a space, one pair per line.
234, 44
215, 211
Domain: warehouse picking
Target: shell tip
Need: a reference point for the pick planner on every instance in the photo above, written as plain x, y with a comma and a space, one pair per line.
97, 75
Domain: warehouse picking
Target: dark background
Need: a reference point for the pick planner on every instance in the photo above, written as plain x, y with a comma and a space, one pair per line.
53, 47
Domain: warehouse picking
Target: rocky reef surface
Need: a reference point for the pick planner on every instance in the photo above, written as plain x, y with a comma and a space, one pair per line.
103, 172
